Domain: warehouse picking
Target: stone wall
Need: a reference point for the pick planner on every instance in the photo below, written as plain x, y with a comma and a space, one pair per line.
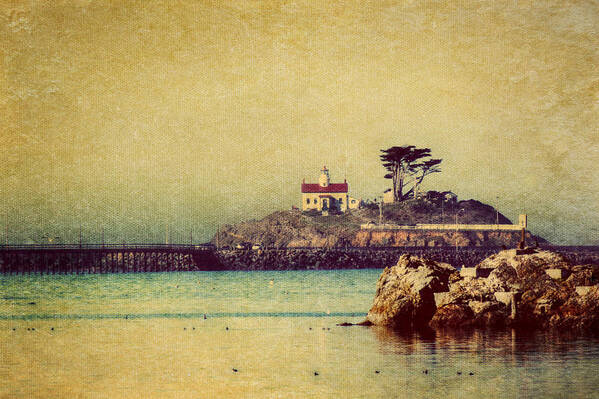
438, 238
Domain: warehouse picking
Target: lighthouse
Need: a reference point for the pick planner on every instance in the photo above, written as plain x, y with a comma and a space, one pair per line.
325, 196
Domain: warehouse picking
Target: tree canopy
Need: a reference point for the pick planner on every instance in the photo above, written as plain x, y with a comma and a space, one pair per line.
407, 166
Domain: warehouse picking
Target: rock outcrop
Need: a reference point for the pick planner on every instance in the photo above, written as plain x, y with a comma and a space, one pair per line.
541, 289
405, 292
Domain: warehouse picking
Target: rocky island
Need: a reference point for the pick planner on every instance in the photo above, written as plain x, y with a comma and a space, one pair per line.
534, 289
297, 229
296, 240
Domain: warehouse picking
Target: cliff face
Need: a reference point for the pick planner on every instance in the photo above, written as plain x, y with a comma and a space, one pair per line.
293, 229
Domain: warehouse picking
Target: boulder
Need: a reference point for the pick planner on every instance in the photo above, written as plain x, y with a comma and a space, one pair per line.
584, 290
453, 315
583, 275
469, 289
489, 314
468, 272
443, 298
556, 274
471, 314
405, 292
576, 313
518, 292
513, 272
503, 278
538, 259
479, 307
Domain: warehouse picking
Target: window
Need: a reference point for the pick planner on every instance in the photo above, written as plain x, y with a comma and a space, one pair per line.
341, 200
316, 200
353, 201
307, 200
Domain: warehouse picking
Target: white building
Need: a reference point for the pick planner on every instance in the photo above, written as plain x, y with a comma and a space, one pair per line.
325, 196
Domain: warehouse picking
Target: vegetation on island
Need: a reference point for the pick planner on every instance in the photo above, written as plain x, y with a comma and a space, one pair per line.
407, 166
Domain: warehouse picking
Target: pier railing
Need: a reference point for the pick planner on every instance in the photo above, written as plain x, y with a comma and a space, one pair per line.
105, 258
33, 247
448, 226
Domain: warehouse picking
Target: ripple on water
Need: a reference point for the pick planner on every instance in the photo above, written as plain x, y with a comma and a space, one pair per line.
151, 329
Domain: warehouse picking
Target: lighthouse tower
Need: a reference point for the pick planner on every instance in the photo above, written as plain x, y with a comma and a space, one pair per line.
324, 179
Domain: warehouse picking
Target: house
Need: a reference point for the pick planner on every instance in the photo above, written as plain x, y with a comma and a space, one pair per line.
431, 196
437, 197
326, 196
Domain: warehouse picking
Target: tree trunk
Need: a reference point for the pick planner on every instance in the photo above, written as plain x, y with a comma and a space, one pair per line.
395, 182
400, 184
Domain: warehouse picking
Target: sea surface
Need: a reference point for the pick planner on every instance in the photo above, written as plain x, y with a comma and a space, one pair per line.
258, 335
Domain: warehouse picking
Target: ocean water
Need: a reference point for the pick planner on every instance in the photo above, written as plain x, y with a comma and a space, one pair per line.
258, 335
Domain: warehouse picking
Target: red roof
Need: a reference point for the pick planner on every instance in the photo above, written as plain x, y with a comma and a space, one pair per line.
331, 188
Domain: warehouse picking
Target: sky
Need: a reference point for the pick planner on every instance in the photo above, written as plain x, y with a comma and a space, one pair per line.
141, 116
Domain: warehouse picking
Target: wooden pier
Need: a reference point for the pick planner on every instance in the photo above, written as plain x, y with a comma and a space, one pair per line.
83, 259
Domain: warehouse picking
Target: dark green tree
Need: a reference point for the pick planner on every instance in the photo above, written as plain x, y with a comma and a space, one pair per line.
422, 170
408, 165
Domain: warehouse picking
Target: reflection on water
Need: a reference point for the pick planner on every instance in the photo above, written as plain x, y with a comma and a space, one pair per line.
516, 346
475, 363
123, 336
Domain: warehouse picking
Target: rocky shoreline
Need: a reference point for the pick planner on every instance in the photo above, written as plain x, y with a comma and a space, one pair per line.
369, 258
339, 258
535, 289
